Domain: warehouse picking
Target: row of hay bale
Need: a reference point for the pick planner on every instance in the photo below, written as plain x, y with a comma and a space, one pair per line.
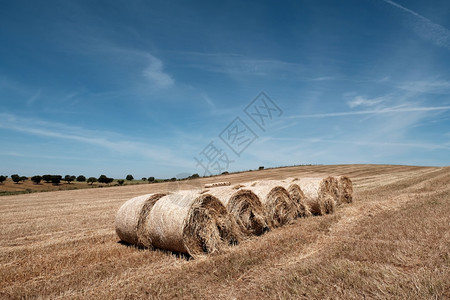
205, 221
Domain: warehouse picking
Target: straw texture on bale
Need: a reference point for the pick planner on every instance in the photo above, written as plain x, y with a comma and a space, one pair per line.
345, 189
299, 198
279, 208
332, 185
245, 207
131, 219
190, 222
320, 194
215, 184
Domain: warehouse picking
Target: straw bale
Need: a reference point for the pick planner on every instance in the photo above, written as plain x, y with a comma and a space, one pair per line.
345, 189
131, 219
280, 209
191, 222
245, 207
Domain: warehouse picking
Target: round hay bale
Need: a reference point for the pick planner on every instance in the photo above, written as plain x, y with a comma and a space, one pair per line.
345, 189
131, 219
320, 194
216, 184
299, 198
245, 207
191, 222
332, 185
279, 208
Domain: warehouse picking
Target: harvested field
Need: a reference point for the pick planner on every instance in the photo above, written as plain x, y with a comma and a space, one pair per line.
393, 241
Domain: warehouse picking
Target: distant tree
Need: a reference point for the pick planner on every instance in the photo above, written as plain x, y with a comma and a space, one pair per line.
16, 178
261, 168
56, 179
47, 178
102, 178
36, 179
151, 179
193, 176
173, 179
69, 178
81, 178
2, 178
129, 177
144, 178
120, 181
91, 180
23, 178
224, 173
108, 180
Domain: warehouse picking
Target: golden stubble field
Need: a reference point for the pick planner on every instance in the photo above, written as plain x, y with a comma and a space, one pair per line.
392, 242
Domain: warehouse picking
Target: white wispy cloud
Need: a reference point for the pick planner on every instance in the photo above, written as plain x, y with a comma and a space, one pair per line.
156, 75
388, 110
319, 140
154, 71
425, 28
362, 101
33, 98
111, 141
323, 78
236, 64
426, 86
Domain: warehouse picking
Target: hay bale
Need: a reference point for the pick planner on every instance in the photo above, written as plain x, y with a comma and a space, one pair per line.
191, 222
345, 186
320, 194
216, 184
131, 219
245, 207
279, 208
299, 198
332, 184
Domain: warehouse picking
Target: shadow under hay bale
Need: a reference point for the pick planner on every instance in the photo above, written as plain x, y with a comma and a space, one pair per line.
279, 208
132, 217
190, 222
245, 207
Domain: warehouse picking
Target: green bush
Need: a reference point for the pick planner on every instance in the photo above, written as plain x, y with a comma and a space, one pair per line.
47, 178
91, 180
81, 178
16, 178
36, 179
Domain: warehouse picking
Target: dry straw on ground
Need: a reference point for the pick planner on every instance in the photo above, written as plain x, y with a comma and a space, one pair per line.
321, 194
345, 190
279, 208
245, 207
131, 219
216, 184
191, 222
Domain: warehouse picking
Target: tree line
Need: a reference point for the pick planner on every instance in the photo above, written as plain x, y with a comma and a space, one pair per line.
56, 179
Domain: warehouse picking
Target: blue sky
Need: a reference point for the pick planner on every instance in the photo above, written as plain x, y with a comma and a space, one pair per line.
143, 87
